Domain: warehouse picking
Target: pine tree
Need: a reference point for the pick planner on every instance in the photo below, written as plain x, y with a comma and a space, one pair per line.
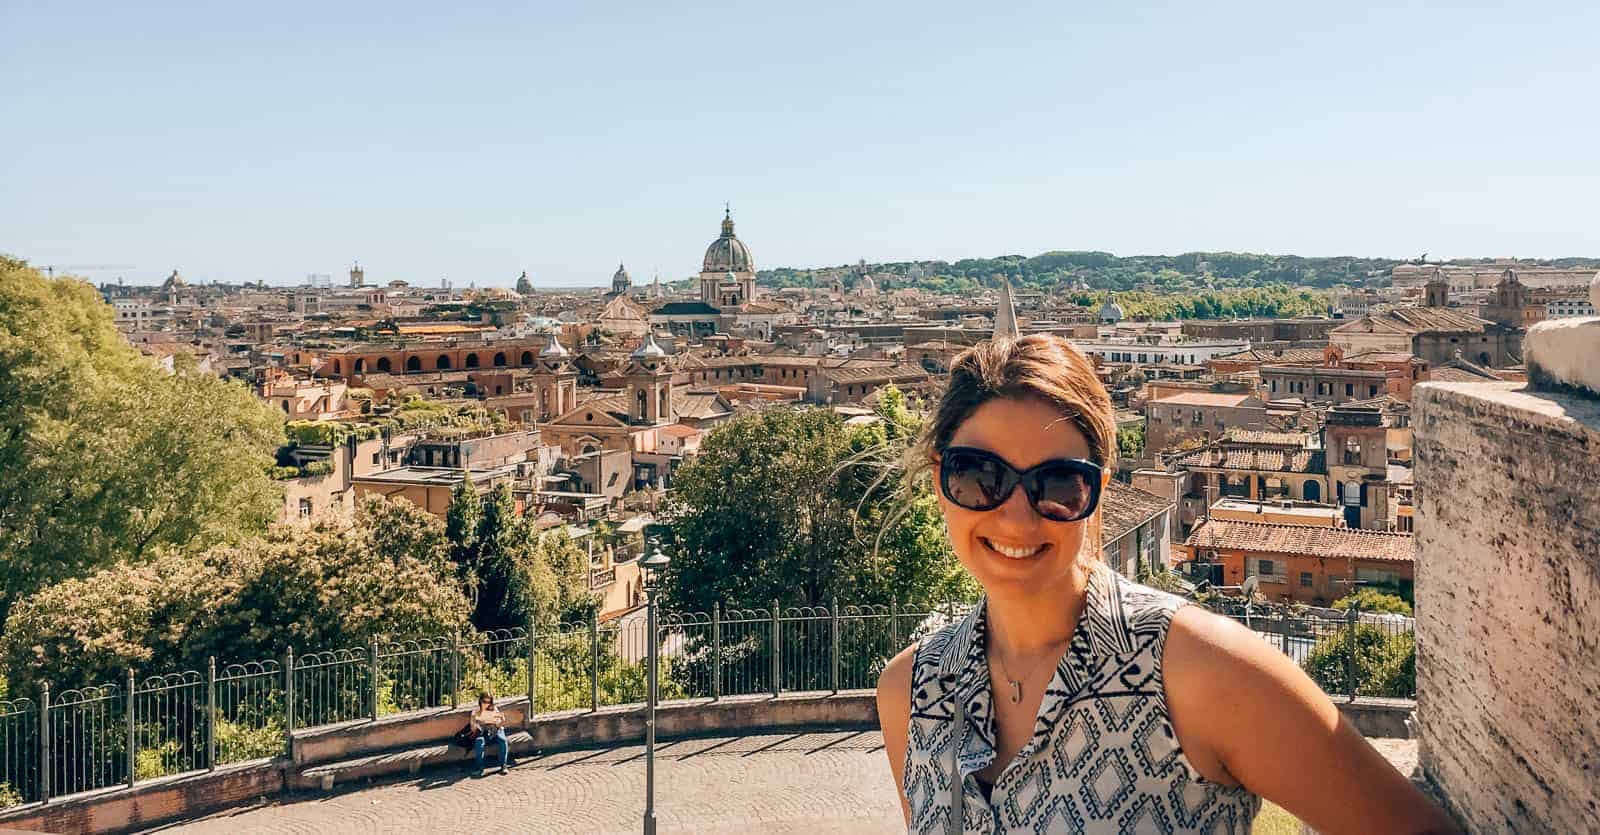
461, 524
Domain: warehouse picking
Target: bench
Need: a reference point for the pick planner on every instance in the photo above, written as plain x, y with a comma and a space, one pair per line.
405, 761
400, 744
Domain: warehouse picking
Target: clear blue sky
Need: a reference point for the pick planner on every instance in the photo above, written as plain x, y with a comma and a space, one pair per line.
272, 140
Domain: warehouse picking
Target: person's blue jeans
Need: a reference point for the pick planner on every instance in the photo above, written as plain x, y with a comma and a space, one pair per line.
482, 742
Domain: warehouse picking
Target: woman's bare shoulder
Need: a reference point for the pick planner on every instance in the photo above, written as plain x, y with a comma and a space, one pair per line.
894, 683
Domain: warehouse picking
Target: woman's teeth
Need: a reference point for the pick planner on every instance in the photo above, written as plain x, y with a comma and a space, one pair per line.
1013, 553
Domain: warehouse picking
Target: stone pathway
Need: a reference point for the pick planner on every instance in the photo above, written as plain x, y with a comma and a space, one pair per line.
814, 783
803, 784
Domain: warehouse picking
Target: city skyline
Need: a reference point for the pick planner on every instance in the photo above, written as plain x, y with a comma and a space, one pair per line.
475, 144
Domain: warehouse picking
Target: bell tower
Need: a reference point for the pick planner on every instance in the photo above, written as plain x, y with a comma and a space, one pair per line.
649, 380
1437, 290
554, 380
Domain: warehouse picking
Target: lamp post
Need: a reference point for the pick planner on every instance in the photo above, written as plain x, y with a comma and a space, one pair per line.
652, 566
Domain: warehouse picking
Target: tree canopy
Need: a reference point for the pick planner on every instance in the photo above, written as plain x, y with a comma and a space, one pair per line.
788, 504
106, 456
336, 583
513, 572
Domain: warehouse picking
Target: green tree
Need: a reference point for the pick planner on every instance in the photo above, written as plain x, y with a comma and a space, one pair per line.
1373, 600
462, 522
499, 549
333, 584
106, 456
1130, 442
791, 504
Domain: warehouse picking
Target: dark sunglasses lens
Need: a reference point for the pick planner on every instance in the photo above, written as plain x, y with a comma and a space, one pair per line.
1061, 493
974, 481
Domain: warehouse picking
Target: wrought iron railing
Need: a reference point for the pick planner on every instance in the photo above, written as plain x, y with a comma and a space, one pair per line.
138, 729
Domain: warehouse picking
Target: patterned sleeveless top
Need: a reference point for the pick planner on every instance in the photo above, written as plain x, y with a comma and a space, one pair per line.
1103, 756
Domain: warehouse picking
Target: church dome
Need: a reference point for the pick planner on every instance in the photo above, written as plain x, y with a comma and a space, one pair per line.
621, 282
727, 253
174, 282
1111, 311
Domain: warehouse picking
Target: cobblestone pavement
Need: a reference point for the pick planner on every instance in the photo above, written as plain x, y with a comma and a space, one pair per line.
814, 783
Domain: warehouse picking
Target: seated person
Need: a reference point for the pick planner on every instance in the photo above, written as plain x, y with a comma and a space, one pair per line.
488, 723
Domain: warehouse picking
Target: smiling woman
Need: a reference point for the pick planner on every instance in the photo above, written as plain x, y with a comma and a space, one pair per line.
1107, 717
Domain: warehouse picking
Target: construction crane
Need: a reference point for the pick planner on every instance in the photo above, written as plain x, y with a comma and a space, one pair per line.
50, 269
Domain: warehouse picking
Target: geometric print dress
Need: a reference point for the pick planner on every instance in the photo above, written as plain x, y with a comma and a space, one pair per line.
1102, 757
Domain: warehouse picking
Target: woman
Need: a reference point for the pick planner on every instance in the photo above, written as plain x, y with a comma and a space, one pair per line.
1073, 700
488, 723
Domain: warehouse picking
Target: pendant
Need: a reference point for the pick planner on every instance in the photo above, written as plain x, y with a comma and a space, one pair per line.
1016, 690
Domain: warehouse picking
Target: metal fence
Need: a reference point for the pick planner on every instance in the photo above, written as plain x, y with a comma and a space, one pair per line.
138, 729
1349, 654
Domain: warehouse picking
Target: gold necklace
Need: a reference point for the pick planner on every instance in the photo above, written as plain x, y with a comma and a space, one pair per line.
1016, 684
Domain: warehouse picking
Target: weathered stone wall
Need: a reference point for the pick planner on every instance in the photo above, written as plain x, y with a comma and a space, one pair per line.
1508, 604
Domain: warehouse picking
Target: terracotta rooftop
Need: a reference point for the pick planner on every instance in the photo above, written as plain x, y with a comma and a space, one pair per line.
1256, 458
1123, 509
1286, 356
1205, 398
1303, 540
1412, 320
1241, 435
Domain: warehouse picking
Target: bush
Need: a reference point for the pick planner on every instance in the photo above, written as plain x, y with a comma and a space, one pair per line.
237, 742
1372, 600
1385, 665
316, 468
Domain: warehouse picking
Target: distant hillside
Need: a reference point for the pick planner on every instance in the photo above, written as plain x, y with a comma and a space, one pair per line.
1191, 271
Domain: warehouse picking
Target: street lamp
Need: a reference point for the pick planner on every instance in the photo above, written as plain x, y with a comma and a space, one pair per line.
652, 566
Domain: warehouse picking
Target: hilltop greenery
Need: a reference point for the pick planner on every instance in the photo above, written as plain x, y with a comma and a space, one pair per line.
1063, 271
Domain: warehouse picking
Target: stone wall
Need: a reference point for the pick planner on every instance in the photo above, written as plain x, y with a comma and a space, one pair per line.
1508, 604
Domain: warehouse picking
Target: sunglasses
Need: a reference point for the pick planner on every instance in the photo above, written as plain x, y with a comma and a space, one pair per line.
1061, 489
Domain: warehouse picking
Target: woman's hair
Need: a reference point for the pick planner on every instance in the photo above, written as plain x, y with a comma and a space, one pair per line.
483, 696
1041, 366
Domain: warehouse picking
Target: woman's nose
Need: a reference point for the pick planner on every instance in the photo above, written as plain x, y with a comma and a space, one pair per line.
1016, 512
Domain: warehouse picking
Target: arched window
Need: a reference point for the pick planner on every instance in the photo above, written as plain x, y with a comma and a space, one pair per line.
662, 412
443, 363
500, 360
1312, 491
414, 364
383, 364
336, 367
642, 403
527, 359
1352, 451
361, 366
472, 361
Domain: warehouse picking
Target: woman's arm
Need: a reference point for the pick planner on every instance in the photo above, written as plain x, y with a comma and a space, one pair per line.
894, 717
1247, 714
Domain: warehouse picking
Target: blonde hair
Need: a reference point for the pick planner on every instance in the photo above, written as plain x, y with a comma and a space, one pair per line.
1041, 366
